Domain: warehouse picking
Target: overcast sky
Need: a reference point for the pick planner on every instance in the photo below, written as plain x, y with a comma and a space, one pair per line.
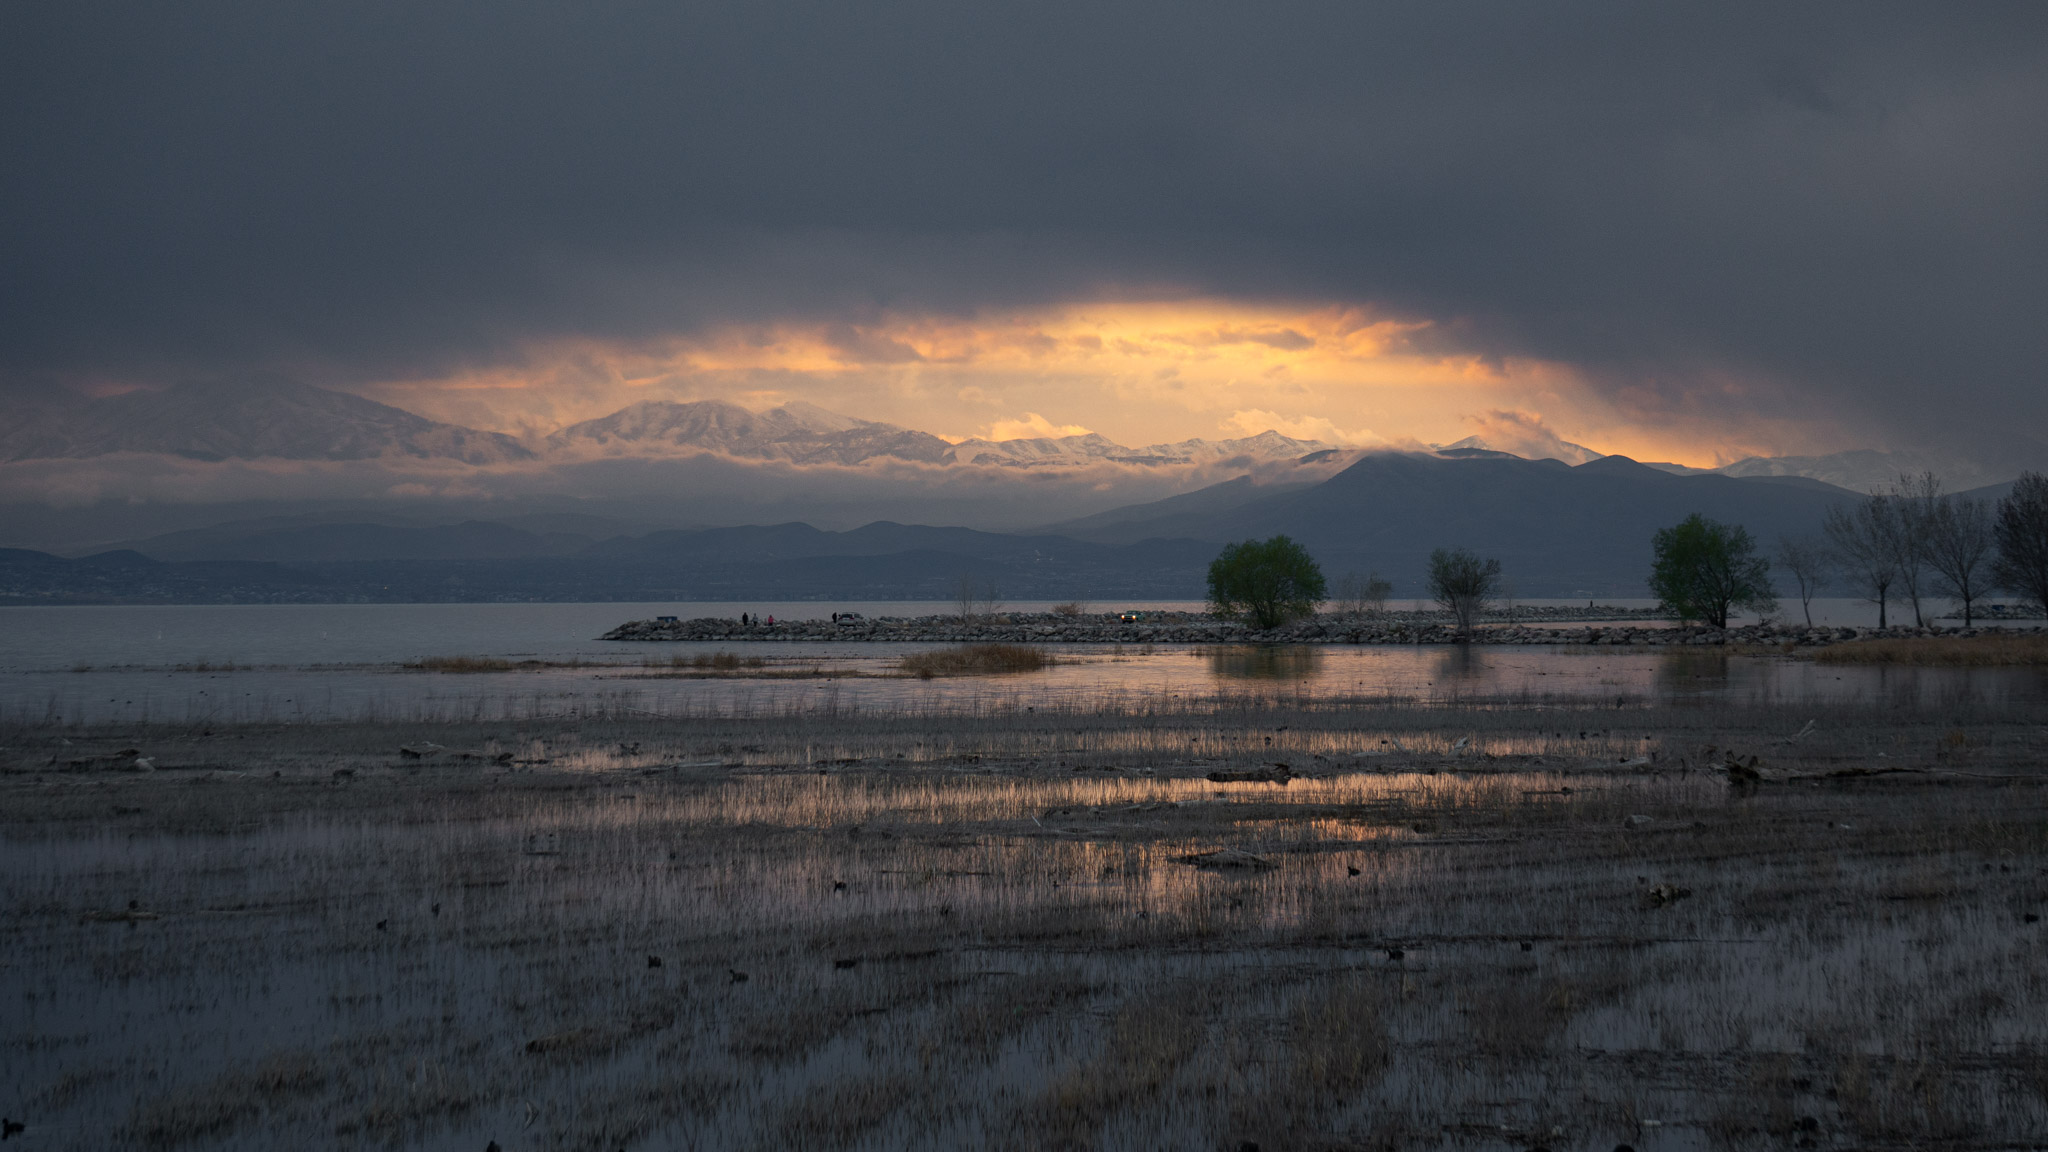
1732, 227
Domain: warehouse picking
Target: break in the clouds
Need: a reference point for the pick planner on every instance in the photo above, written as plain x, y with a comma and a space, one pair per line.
1756, 225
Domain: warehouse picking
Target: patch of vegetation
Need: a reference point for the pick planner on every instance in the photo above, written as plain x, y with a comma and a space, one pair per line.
974, 660
1942, 651
714, 662
1268, 582
463, 664
1705, 569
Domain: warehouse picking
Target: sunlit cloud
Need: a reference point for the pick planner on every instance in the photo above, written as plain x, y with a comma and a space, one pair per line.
1252, 421
1525, 434
1137, 372
1032, 425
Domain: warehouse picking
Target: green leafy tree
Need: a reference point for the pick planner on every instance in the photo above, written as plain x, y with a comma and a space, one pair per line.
1268, 581
1705, 568
1463, 583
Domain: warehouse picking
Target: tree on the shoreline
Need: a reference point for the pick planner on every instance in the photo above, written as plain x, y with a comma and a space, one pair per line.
1807, 561
974, 598
1958, 542
1269, 581
1863, 537
1704, 569
1916, 503
2022, 532
1462, 583
1363, 595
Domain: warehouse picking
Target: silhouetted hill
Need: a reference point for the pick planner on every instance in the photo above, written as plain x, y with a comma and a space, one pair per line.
1556, 529
293, 542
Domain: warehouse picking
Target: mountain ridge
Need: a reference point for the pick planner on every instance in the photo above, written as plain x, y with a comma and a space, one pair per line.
212, 422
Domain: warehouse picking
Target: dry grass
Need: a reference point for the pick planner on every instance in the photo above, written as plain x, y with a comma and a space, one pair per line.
463, 664
1981, 651
712, 661
974, 660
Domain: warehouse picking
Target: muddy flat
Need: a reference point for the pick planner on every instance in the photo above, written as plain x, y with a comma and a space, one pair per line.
1324, 924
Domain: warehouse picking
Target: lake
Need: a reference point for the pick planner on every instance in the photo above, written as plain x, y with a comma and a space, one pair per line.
326, 662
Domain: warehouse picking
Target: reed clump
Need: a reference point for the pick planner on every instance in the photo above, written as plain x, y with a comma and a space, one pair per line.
462, 664
2029, 648
713, 662
974, 660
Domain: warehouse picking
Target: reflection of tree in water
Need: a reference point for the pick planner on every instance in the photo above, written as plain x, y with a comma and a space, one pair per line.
1687, 672
1462, 662
1267, 662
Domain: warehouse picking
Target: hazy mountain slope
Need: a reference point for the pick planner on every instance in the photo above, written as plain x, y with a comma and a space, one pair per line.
300, 543
220, 422
791, 541
1184, 515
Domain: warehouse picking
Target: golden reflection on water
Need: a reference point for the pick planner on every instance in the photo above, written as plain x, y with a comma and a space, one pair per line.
804, 848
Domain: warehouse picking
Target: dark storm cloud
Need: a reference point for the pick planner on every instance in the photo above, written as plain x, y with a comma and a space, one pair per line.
1843, 202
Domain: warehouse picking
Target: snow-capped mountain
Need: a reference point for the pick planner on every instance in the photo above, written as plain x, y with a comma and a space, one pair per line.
1565, 450
1868, 470
807, 434
224, 422
296, 422
1094, 448
217, 422
798, 432
1858, 470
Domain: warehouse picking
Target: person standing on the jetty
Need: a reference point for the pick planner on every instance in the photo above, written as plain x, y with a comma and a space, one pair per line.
743, 619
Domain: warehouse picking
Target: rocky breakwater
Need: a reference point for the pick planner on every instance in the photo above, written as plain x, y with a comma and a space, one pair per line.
1529, 626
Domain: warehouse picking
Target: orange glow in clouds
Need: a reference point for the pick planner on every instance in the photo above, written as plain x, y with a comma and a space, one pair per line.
1139, 373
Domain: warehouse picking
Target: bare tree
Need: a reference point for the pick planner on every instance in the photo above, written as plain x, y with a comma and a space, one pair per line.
1915, 500
1807, 560
2022, 534
1958, 545
1863, 537
1377, 589
1350, 595
1462, 583
973, 598
1362, 595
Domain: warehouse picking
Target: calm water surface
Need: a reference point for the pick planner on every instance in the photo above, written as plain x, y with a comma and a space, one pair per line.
321, 662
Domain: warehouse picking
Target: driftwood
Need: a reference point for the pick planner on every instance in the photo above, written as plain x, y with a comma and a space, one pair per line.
1273, 774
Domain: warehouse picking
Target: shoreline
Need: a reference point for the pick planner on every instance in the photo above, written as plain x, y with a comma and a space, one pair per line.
1641, 628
